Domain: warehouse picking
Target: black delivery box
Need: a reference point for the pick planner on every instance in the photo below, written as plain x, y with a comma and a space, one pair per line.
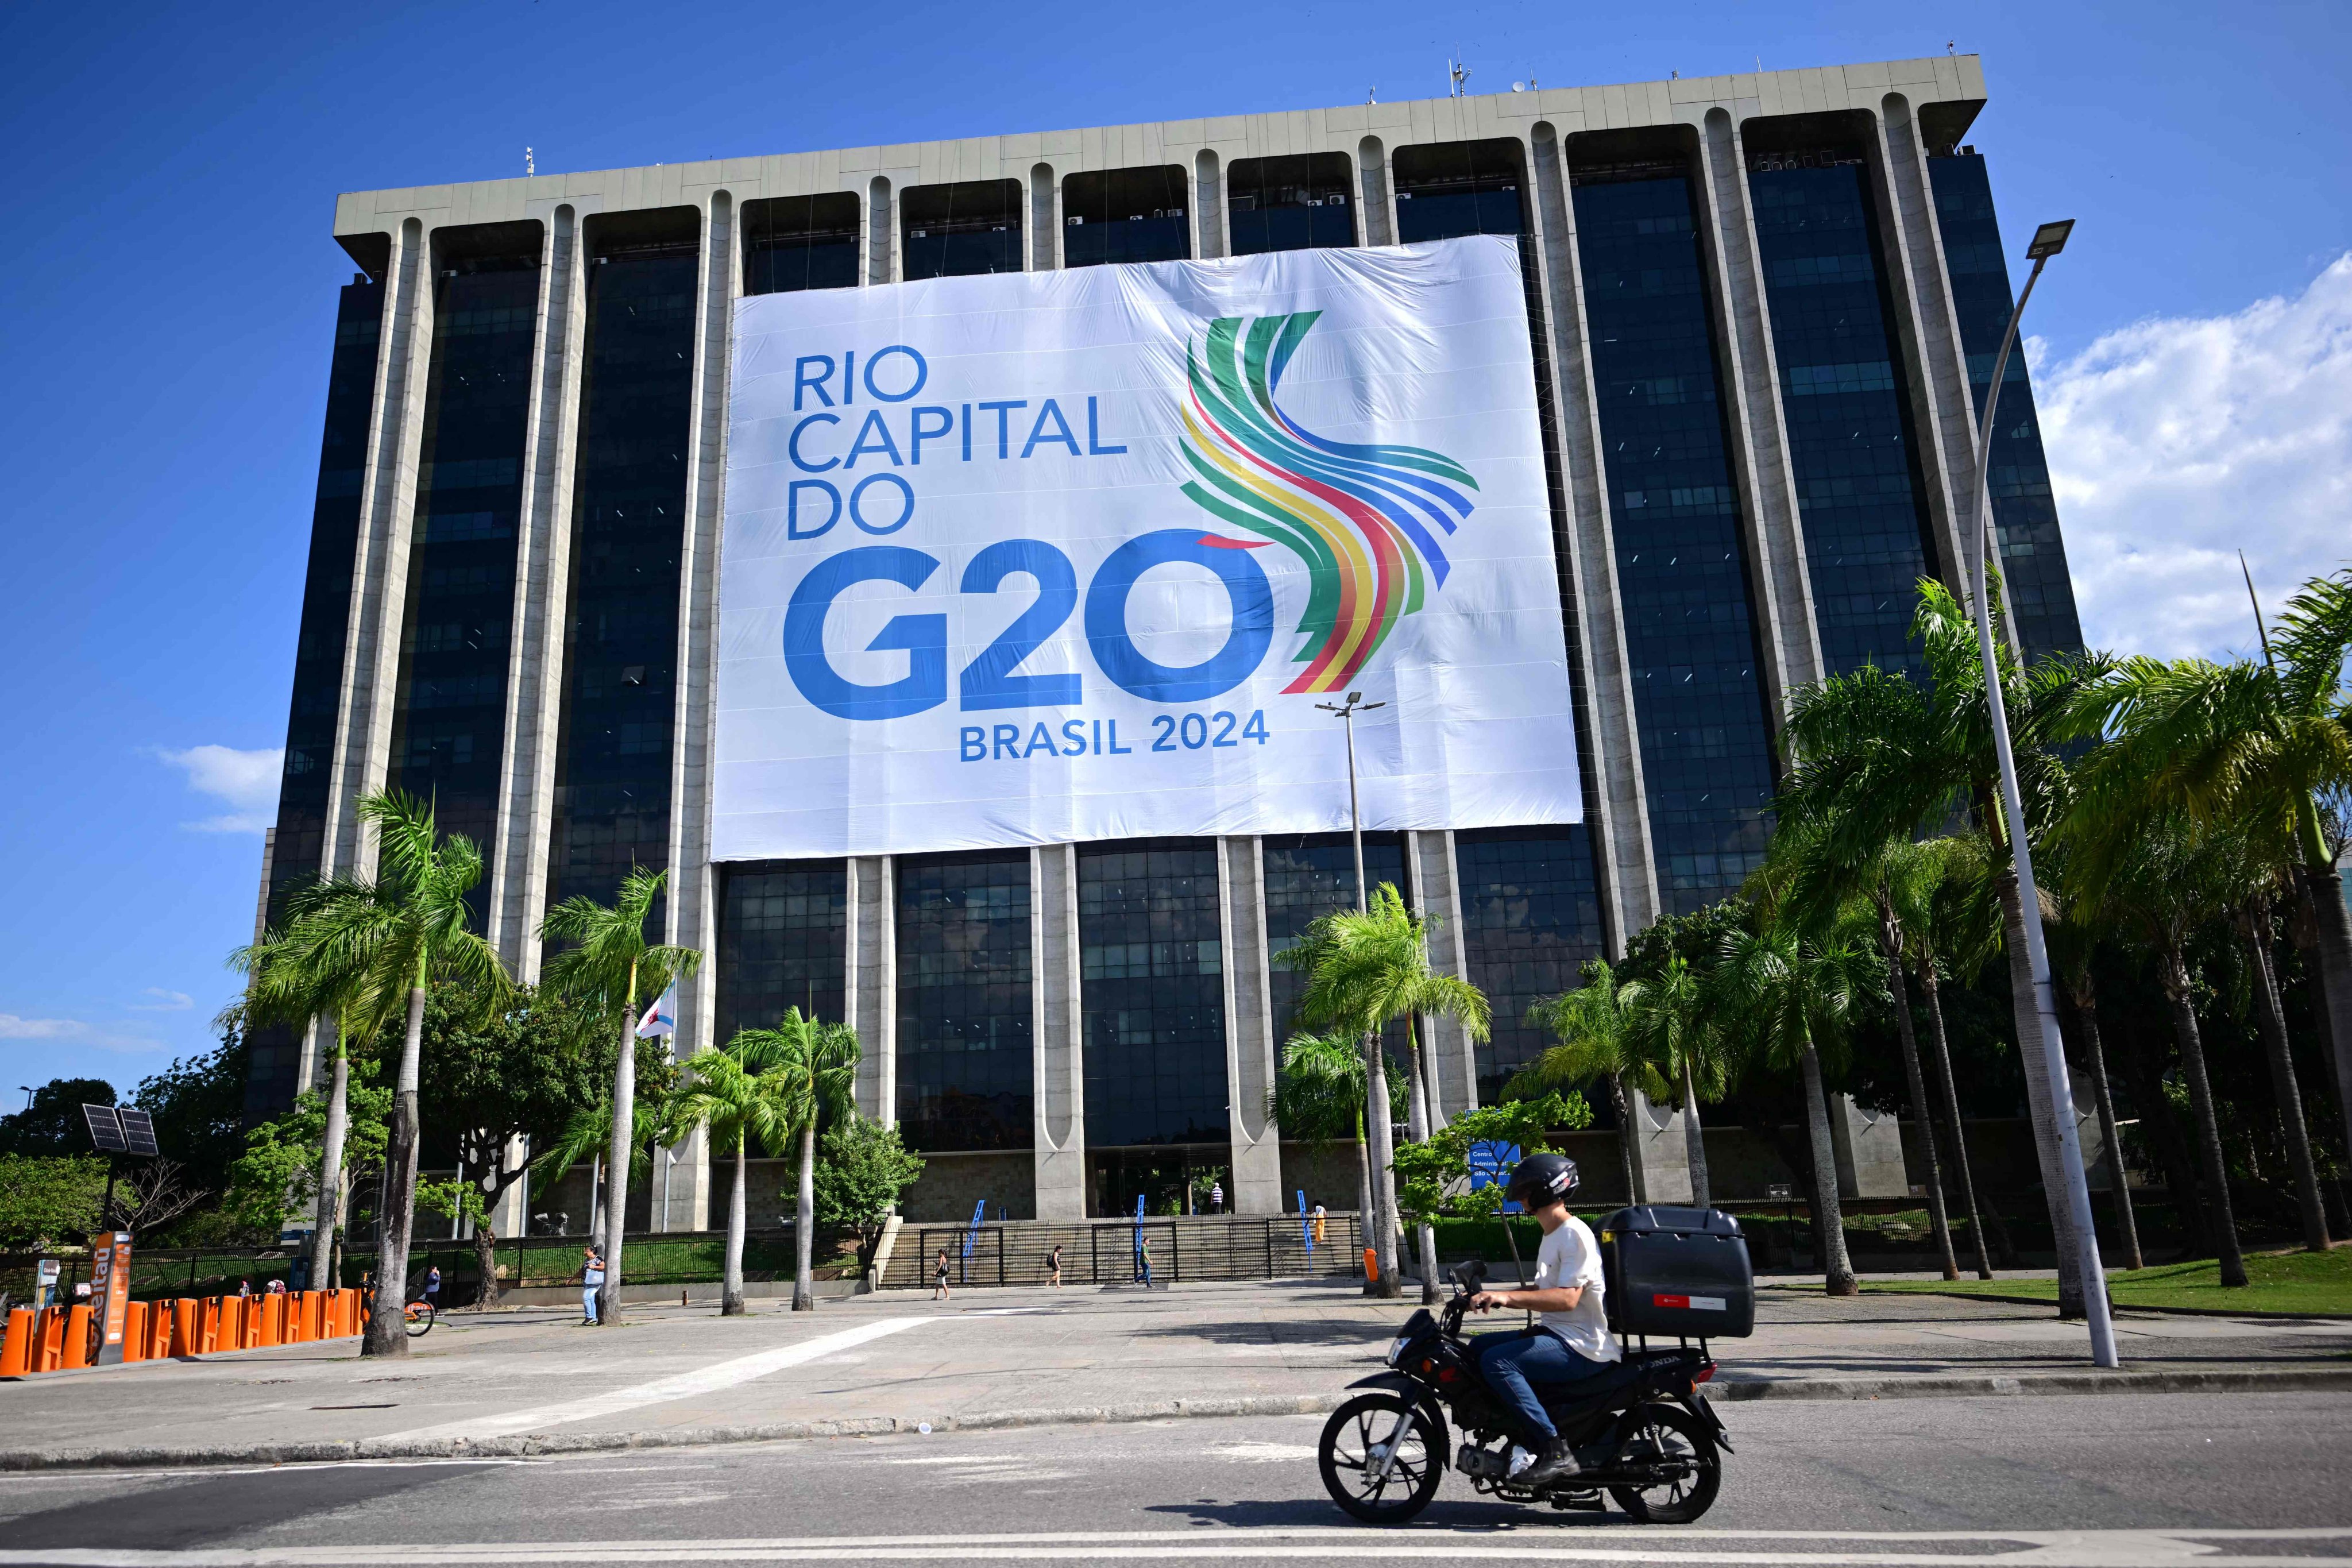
1681, 1271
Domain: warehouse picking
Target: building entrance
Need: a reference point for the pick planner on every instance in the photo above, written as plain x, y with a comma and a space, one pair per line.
1173, 1178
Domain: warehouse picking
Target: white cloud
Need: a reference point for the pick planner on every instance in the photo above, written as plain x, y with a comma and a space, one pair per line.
2175, 443
245, 781
13, 1027
164, 1001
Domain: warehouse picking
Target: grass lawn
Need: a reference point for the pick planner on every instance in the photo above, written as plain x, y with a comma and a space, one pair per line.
2277, 1283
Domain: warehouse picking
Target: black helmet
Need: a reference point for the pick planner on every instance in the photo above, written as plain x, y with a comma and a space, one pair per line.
1541, 1179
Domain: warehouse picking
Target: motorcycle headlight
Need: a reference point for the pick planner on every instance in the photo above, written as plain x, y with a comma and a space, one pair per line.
1396, 1348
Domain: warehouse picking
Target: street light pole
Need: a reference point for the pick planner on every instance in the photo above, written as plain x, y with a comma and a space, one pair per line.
2048, 241
1383, 1220
1354, 705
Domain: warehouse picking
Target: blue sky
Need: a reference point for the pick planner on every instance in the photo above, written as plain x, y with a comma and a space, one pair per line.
168, 292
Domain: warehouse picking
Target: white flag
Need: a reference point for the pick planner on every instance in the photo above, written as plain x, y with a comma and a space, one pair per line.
661, 1019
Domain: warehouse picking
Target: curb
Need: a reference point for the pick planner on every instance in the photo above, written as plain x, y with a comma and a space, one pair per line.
2052, 1302
1731, 1390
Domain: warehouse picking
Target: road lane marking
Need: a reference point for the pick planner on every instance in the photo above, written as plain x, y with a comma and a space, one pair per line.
661, 1390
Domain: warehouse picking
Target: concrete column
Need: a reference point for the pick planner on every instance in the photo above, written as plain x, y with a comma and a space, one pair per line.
1251, 1053
1208, 205
1661, 1151
1780, 585
1449, 1054
1376, 192
542, 583
870, 984
1045, 219
881, 232
1611, 749
380, 558
1869, 1146
1935, 367
1057, 1049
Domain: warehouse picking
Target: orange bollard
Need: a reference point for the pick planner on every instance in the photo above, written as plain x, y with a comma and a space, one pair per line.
314, 1313
272, 1317
1372, 1264
16, 1355
298, 1316
77, 1338
184, 1319
49, 1340
159, 1330
134, 1331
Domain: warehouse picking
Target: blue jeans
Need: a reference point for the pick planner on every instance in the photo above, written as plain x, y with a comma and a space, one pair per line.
1514, 1363
588, 1300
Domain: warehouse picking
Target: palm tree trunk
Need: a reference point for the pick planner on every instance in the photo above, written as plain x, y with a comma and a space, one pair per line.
2094, 1055
2039, 1098
1694, 1139
387, 1329
1417, 1125
330, 1166
1890, 937
730, 1287
1931, 987
616, 1161
1363, 1178
2174, 971
2289, 1094
2161, 1127
803, 1223
1624, 1103
2325, 889
1383, 1163
1828, 1233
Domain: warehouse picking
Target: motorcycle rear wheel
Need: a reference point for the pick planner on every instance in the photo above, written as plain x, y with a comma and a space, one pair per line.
1345, 1454
1669, 1431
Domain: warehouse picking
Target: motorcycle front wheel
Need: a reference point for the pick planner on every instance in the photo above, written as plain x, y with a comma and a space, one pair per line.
1669, 1436
1358, 1434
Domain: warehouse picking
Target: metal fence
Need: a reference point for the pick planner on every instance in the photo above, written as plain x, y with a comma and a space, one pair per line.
1096, 1252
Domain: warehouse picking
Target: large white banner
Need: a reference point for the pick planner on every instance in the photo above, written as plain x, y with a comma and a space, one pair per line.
1057, 556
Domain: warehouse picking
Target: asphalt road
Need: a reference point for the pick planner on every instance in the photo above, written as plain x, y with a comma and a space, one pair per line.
2102, 1480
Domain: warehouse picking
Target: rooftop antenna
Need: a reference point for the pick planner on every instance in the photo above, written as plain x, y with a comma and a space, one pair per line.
1949, 45
1457, 74
1371, 95
528, 167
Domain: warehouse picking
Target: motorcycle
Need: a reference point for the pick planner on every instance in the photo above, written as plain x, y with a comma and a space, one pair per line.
1642, 1431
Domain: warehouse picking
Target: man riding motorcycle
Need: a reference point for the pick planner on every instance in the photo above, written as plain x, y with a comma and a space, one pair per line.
1571, 1338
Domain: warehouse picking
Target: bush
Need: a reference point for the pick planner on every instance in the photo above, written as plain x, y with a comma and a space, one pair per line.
46, 1199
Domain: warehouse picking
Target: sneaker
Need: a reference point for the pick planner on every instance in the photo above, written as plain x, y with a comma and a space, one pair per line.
1556, 1462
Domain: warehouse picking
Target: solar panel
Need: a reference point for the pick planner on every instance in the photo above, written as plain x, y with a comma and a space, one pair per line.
105, 1130
139, 1132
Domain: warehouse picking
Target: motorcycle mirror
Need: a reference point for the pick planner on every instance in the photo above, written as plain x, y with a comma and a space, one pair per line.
1470, 1275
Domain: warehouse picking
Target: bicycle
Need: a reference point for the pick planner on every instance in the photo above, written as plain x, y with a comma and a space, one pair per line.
418, 1317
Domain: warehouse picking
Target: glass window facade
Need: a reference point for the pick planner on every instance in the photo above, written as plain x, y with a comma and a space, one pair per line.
1453, 188
784, 931
792, 243
274, 1065
1298, 203
1681, 575
2026, 515
449, 712
1126, 215
965, 1078
954, 231
1859, 494
1308, 876
1152, 993
620, 652
1530, 919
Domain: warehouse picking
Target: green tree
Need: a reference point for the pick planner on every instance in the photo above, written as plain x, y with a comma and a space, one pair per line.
52, 1124
813, 1066
607, 962
278, 1176
1318, 1097
734, 1102
1668, 1021
422, 935
45, 1198
198, 1107
863, 1169
1366, 969
1786, 999
1597, 1045
1434, 1176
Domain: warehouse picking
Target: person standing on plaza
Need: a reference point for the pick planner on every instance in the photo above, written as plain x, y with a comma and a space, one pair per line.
432, 1286
1217, 1197
939, 1291
591, 1279
1143, 1264
1318, 1225
1053, 1267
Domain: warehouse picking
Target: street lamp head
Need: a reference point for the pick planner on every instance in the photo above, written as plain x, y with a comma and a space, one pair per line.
2049, 240
1354, 697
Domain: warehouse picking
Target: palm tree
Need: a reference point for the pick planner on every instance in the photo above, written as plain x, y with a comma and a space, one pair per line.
1958, 926
608, 961
1596, 1044
1670, 1023
2074, 941
813, 1068
1320, 1095
2252, 919
1366, 969
1867, 893
1787, 999
735, 1102
2239, 743
420, 934
2156, 873
1879, 758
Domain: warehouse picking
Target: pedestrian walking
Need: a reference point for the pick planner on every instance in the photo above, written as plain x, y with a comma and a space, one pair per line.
244, 1289
1318, 1225
1053, 1267
940, 1277
592, 1280
432, 1286
1217, 1198
1143, 1264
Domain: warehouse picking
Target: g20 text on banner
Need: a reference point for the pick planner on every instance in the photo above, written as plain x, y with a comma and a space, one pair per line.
1057, 556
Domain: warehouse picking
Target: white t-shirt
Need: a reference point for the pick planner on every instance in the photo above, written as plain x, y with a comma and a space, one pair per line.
1570, 1256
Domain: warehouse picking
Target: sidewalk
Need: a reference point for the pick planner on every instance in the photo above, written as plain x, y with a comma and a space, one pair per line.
532, 1380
